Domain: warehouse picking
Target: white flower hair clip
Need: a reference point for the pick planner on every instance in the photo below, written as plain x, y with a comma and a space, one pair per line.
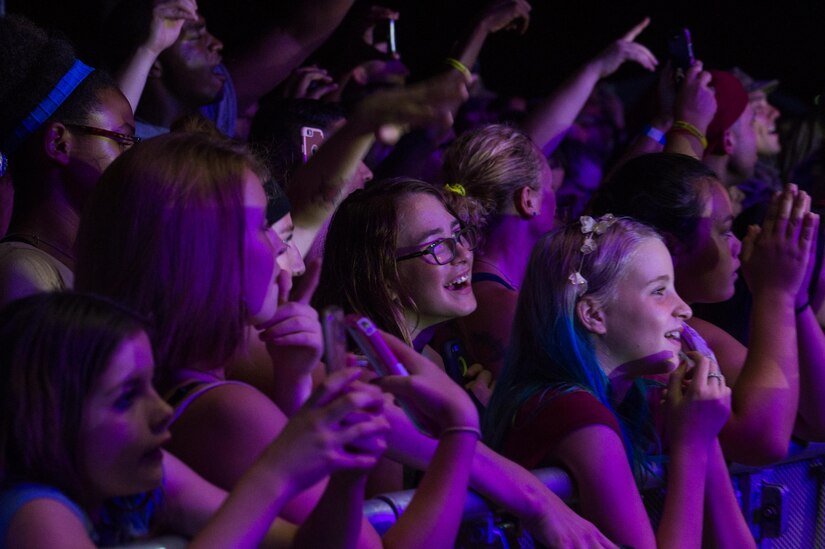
590, 229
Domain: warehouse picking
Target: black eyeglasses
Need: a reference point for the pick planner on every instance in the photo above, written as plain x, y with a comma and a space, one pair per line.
443, 250
124, 140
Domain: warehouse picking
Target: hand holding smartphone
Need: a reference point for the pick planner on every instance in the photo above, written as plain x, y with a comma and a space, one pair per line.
680, 51
366, 336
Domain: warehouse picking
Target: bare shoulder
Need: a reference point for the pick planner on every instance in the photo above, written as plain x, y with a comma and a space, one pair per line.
222, 432
47, 522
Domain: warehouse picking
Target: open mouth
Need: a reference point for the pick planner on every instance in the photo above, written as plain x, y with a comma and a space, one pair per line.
459, 283
675, 336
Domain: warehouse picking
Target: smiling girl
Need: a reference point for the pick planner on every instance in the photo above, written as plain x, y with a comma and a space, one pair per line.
597, 312
178, 230
777, 381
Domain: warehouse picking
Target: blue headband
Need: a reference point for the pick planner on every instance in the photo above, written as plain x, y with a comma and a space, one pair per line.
63, 89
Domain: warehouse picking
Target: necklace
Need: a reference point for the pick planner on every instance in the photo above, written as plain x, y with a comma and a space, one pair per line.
35, 240
498, 270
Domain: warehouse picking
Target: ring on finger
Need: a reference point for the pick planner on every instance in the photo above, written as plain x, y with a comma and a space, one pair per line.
717, 375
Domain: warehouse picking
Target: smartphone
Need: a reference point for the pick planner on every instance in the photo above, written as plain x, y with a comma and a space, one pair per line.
311, 139
384, 32
680, 50
336, 326
335, 339
378, 353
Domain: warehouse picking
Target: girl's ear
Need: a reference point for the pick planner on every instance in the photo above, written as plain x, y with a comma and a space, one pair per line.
591, 314
525, 203
57, 143
728, 142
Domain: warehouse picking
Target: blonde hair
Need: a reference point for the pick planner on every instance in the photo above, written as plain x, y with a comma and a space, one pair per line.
493, 163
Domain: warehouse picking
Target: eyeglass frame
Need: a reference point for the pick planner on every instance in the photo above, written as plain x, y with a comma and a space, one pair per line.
455, 238
125, 141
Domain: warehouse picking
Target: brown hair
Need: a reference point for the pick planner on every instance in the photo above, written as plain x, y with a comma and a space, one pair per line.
359, 270
53, 349
164, 233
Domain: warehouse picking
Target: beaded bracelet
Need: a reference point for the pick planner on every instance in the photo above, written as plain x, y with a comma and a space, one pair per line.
692, 130
459, 66
654, 133
460, 429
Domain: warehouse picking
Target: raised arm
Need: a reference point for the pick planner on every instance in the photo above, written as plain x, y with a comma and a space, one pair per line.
283, 47
811, 347
765, 376
497, 15
319, 186
548, 123
695, 106
168, 17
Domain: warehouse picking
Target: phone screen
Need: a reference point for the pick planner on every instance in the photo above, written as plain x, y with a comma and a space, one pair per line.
680, 49
369, 340
311, 140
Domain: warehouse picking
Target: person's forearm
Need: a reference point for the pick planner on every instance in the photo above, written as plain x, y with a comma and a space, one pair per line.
811, 348
319, 186
256, 71
131, 78
681, 524
725, 525
505, 483
435, 512
246, 515
340, 511
548, 123
766, 392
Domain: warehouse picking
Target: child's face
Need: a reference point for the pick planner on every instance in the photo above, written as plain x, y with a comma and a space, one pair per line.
441, 292
644, 316
261, 250
125, 423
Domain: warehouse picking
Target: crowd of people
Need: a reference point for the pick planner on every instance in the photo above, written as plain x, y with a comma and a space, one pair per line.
625, 303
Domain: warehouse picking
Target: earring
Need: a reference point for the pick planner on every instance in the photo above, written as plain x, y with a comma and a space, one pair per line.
534, 213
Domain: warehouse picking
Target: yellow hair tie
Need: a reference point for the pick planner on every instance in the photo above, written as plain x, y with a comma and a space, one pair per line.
457, 189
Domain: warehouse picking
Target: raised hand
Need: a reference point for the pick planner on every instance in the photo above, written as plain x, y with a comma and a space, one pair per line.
697, 408
168, 17
776, 256
310, 82
340, 427
695, 99
293, 335
626, 49
437, 399
430, 103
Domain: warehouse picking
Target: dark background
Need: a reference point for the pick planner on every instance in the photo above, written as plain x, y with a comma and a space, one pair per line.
783, 40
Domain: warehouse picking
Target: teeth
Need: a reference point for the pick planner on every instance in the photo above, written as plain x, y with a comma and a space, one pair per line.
458, 281
673, 334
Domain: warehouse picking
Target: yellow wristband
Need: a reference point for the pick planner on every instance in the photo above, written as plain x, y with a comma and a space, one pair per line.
459, 66
692, 130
